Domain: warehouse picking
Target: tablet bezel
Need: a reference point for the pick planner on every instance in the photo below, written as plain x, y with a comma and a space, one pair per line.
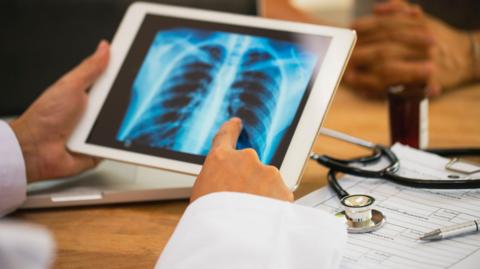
323, 88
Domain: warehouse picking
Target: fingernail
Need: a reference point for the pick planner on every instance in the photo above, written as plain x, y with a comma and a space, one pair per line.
102, 45
236, 120
433, 91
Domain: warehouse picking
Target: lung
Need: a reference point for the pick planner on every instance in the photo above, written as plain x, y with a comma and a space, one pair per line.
253, 97
188, 84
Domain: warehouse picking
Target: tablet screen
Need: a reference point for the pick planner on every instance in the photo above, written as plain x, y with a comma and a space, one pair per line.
182, 79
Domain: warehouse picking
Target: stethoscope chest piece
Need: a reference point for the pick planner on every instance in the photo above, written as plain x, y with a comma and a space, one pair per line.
359, 215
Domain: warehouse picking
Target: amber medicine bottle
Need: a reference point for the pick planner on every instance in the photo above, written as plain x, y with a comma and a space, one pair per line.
408, 114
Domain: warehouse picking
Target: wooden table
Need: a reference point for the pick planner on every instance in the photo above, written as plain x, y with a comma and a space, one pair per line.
133, 235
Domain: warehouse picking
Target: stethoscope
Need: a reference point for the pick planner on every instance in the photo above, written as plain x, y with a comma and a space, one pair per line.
359, 214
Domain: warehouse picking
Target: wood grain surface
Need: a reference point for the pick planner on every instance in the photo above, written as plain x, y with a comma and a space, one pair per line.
133, 235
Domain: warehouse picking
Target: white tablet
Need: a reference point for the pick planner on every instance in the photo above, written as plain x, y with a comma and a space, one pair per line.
176, 74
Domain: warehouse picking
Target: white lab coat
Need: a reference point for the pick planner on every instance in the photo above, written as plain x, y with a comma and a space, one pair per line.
233, 230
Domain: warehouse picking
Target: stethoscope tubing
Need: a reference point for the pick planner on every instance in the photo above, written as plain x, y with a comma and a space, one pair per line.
388, 173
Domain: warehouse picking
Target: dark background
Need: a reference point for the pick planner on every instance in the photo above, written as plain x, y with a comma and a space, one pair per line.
111, 115
42, 39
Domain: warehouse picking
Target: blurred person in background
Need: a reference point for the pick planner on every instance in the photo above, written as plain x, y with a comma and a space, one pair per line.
436, 43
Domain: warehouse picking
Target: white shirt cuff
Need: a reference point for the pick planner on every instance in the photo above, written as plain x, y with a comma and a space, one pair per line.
13, 179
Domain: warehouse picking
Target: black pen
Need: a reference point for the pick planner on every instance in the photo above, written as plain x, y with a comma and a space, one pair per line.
454, 230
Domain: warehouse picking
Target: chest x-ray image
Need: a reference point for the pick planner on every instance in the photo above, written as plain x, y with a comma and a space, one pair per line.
192, 80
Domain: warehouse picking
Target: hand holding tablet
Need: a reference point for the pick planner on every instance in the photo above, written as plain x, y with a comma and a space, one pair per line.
177, 74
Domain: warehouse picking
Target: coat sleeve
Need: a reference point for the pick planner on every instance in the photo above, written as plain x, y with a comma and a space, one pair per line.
13, 180
233, 230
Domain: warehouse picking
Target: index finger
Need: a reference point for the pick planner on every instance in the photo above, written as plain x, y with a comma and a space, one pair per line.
228, 134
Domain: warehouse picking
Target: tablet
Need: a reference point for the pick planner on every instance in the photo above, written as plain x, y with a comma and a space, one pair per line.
177, 74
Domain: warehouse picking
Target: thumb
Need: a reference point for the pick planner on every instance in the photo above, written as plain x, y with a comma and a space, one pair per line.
80, 163
228, 134
87, 72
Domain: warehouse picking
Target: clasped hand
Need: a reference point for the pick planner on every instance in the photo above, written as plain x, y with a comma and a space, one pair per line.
400, 44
